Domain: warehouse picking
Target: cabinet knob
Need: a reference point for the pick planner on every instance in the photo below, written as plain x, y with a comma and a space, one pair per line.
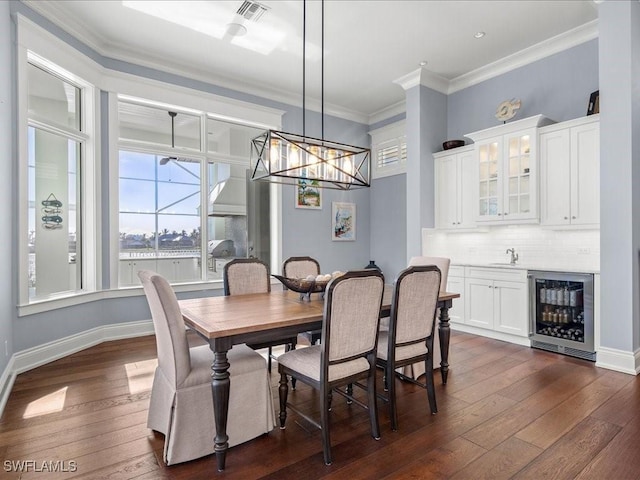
573, 217
506, 213
458, 223
566, 218
499, 214
453, 223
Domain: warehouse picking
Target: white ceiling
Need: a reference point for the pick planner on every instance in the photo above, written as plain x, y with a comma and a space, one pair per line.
368, 44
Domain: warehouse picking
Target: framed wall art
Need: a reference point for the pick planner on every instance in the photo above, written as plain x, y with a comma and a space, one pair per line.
343, 221
308, 194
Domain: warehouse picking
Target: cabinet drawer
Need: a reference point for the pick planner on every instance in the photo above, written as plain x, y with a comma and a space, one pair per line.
507, 274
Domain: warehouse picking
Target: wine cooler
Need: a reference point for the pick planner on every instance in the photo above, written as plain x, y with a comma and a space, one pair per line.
562, 313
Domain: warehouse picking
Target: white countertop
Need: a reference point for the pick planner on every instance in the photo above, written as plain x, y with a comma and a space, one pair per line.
528, 266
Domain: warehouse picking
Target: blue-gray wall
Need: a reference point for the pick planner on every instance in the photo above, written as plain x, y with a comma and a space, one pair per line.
389, 224
620, 175
7, 219
305, 232
557, 86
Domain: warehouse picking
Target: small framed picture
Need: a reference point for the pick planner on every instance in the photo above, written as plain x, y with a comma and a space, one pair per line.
594, 103
343, 222
308, 194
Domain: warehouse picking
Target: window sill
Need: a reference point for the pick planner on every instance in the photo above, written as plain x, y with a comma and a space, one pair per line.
79, 298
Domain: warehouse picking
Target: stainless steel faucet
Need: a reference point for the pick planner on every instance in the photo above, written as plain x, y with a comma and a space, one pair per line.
514, 255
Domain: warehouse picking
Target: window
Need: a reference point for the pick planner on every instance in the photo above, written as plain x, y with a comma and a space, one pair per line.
389, 146
166, 172
55, 149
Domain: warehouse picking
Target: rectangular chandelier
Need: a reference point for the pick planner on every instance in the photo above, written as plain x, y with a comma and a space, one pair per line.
281, 157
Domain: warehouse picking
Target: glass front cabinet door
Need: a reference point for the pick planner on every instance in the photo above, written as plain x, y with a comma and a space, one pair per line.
506, 169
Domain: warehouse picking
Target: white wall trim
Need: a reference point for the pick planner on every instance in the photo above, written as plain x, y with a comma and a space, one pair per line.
7, 379
618, 360
505, 337
546, 48
42, 354
48, 352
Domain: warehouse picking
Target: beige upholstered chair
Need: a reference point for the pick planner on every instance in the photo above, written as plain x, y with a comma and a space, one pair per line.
301, 267
346, 353
181, 405
243, 276
416, 370
411, 330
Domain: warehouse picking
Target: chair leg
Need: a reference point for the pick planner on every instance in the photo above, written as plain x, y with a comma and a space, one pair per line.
373, 402
269, 360
349, 391
325, 400
391, 389
288, 348
431, 391
283, 391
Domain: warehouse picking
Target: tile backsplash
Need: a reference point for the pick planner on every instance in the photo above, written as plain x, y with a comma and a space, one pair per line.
536, 247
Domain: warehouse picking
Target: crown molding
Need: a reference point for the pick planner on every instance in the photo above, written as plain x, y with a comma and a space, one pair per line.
119, 52
388, 112
423, 77
546, 48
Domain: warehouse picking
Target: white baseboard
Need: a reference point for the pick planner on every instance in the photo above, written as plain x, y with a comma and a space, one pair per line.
6, 384
34, 357
505, 337
618, 360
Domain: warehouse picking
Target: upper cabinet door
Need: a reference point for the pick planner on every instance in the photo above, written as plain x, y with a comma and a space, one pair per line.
520, 185
585, 180
489, 180
570, 174
507, 164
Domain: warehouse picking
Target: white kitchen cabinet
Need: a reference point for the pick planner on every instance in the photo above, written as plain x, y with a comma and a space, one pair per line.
570, 173
455, 284
506, 186
175, 270
128, 272
496, 299
454, 188
181, 269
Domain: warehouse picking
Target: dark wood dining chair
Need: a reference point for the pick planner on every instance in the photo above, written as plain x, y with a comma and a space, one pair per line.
346, 354
301, 267
243, 276
411, 333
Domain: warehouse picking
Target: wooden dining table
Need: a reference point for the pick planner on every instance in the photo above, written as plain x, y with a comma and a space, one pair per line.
225, 321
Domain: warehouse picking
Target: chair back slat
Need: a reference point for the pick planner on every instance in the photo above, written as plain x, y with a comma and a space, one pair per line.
246, 275
300, 267
352, 314
441, 262
415, 303
171, 336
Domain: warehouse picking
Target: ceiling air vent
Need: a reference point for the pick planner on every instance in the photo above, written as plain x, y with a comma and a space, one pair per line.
251, 10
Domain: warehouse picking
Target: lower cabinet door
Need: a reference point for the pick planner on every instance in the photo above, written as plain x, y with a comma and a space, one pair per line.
479, 302
510, 304
456, 312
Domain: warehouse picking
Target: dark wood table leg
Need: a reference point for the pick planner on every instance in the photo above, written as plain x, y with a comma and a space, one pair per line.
220, 384
445, 334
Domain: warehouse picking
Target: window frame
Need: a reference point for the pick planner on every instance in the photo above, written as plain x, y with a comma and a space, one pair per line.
53, 56
393, 134
99, 195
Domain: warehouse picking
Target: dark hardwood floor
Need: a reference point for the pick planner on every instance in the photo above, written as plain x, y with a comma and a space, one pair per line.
506, 412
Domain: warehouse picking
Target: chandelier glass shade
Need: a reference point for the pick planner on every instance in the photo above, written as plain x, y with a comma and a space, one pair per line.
281, 157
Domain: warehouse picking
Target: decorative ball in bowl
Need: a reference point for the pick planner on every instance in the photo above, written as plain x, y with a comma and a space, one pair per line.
449, 144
